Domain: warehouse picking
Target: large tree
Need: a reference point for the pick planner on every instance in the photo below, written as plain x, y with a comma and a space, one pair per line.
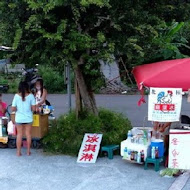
57, 32
82, 32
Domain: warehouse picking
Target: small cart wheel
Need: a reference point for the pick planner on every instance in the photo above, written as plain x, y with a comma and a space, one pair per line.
36, 144
2, 145
12, 143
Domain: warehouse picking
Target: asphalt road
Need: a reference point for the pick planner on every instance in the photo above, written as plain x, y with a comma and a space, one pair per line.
126, 104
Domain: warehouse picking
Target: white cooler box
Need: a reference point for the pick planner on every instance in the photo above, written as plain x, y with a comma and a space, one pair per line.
135, 147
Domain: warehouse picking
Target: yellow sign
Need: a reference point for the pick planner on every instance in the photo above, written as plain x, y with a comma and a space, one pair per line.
4, 139
36, 120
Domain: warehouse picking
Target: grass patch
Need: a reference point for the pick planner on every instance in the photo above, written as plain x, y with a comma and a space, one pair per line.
66, 133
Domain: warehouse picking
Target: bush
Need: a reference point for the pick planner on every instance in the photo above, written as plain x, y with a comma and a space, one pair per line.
66, 133
53, 80
13, 86
11, 80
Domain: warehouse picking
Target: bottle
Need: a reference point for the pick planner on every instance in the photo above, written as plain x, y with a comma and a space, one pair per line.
149, 136
153, 152
129, 135
4, 131
141, 140
132, 155
125, 153
135, 155
42, 110
145, 138
156, 153
139, 157
142, 156
129, 154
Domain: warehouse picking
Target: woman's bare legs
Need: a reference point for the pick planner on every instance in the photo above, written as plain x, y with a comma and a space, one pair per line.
19, 139
28, 128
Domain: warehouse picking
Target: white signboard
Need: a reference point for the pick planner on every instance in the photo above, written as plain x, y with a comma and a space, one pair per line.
179, 155
89, 149
164, 104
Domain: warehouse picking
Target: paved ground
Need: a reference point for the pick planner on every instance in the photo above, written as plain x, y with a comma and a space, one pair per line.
120, 103
44, 172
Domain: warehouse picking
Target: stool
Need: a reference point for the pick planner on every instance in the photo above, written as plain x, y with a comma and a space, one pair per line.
109, 149
156, 163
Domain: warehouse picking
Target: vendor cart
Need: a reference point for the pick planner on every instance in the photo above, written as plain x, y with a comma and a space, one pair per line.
3, 132
39, 130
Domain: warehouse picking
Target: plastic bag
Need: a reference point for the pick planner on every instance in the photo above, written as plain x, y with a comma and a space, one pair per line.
11, 128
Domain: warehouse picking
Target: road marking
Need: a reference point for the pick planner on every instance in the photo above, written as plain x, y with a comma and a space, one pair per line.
180, 182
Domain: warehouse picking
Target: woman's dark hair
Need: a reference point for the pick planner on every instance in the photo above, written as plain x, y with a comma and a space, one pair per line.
23, 89
42, 85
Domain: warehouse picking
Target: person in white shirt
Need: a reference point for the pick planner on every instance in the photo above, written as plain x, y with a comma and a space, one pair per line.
41, 94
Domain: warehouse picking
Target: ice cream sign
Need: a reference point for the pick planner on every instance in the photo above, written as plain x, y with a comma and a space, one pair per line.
90, 148
164, 104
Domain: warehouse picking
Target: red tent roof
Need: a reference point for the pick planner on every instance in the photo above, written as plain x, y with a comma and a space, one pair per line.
164, 74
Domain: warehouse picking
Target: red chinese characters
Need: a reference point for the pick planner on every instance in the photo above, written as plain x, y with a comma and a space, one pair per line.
86, 157
164, 107
175, 163
92, 139
175, 141
90, 148
175, 153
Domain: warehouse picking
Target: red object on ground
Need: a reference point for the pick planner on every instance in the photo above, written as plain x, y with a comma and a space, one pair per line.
164, 74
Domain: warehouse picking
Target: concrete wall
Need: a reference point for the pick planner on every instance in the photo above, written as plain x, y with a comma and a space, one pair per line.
110, 70
2, 65
5, 66
16, 68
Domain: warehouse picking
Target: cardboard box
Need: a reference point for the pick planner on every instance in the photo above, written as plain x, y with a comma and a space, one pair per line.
39, 127
4, 140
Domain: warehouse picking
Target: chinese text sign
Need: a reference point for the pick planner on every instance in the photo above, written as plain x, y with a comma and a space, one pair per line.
164, 104
89, 149
179, 154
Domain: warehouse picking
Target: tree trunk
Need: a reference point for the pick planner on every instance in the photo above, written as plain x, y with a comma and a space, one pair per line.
78, 99
87, 98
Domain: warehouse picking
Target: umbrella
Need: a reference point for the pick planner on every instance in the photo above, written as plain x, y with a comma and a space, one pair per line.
164, 74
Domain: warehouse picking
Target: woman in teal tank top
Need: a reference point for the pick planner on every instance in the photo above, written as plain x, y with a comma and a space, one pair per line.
23, 105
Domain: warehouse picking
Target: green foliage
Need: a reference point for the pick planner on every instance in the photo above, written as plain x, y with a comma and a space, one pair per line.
13, 86
55, 32
11, 80
17, 38
3, 80
150, 30
85, 31
53, 80
169, 41
100, 3
66, 133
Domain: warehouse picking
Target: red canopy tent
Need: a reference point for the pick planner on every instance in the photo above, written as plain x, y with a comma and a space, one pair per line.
164, 74
168, 74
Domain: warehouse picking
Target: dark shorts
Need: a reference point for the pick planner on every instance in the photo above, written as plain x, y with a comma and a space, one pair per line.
23, 123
